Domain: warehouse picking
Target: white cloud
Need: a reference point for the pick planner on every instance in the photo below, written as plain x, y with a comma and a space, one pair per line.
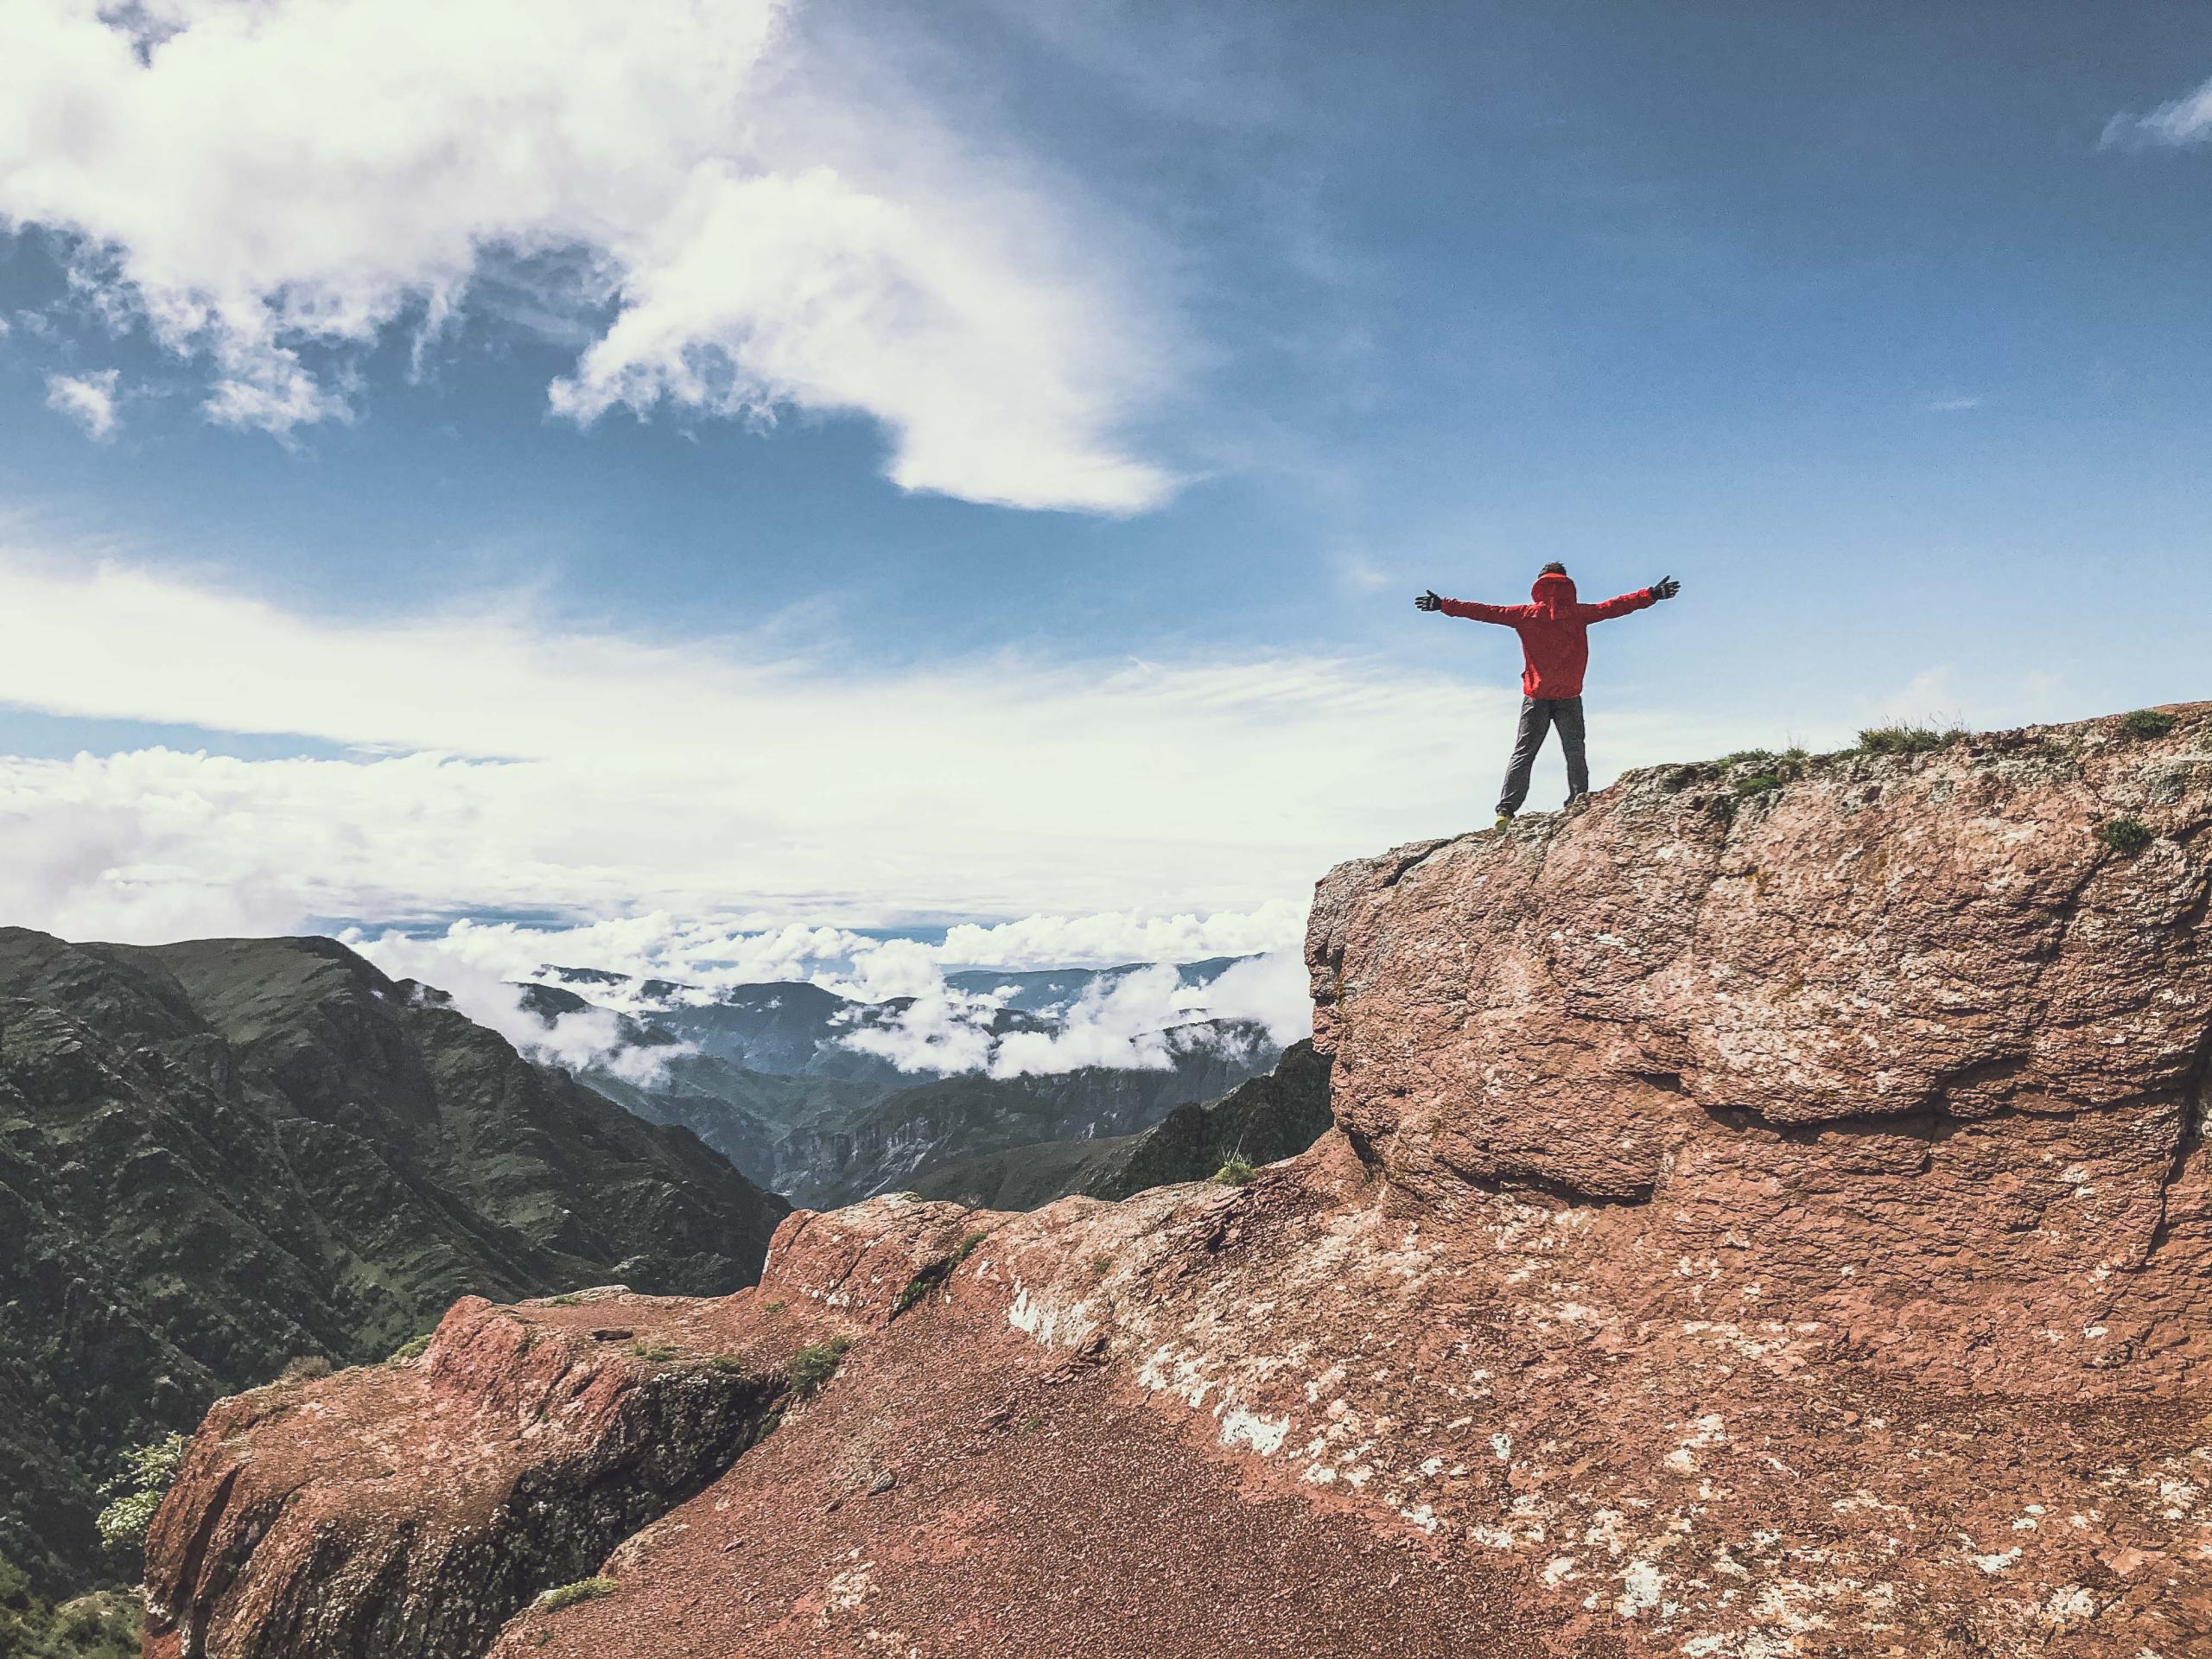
747, 223
1953, 405
576, 1040
1130, 1024
1139, 1021
504, 764
87, 399
2187, 120
1118, 937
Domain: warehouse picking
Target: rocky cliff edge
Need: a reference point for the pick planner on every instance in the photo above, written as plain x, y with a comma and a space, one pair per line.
1768, 1216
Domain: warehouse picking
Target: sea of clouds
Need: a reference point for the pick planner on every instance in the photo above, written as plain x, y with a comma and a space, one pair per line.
1132, 1021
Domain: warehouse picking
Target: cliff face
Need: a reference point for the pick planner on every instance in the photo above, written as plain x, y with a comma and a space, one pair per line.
216, 1156
1765, 1221
1907, 1047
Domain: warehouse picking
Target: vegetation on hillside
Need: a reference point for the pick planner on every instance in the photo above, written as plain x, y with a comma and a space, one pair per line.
102, 1625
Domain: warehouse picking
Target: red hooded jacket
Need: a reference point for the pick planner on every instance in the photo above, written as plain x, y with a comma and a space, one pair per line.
1554, 630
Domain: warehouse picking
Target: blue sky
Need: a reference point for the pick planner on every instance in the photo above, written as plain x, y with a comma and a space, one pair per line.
1886, 334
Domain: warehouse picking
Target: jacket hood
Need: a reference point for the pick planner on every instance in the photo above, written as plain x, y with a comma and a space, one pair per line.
1554, 593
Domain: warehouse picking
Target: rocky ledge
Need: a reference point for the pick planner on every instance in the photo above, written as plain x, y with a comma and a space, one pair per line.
1763, 1220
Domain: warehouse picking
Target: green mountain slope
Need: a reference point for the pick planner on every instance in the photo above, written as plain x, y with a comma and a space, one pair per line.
1259, 1120
216, 1156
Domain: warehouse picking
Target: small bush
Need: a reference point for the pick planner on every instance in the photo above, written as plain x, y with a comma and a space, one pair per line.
1760, 757
810, 1367
652, 1353
2126, 836
304, 1368
1237, 1172
415, 1348
2147, 723
728, 1362
568, 1595
1908, 737
1759, 783
148, 1472
776, 1306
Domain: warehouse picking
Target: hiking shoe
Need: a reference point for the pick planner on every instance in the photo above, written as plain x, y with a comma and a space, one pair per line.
1504, 821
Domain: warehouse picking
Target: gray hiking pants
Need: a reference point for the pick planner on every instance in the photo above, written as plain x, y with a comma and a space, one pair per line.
1538, 714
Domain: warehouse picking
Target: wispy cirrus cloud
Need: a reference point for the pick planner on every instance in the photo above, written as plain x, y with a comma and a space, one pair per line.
87, 399
745, 225
2183, 121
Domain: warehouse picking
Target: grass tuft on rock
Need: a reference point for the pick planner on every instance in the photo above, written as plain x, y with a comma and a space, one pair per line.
1907, 737
2126, 836
567, 1595
1237, 1172
2147, 723
812, 1367
415, 1348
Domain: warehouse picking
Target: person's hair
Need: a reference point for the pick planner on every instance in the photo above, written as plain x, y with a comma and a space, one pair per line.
1555, 569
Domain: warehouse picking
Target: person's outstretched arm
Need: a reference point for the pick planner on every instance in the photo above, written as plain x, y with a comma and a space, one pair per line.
1503, 615
1665, 587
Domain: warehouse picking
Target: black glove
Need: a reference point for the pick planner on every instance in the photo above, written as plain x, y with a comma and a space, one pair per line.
1429, 602
1665, 587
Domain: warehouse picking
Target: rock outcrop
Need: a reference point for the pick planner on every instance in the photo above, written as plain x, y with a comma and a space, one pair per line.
1767, 1219
1911, 1046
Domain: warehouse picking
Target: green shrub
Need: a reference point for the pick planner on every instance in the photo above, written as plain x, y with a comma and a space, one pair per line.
568, 1595
1237, 1172
812, 1367
2147, 723
1760, 757
1907, 737
148, 1471
1759, 783
413, 1348
2126, 836
652, 1353
776, 1306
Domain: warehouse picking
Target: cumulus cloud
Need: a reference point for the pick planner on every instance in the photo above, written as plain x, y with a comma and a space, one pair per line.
87, 399
742, 224
2187, 120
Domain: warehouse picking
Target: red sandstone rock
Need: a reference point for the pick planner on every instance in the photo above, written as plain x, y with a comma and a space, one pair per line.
412, 1508
1762, 1228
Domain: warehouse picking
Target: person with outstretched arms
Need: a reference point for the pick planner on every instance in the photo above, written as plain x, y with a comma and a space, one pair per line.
1555, 630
